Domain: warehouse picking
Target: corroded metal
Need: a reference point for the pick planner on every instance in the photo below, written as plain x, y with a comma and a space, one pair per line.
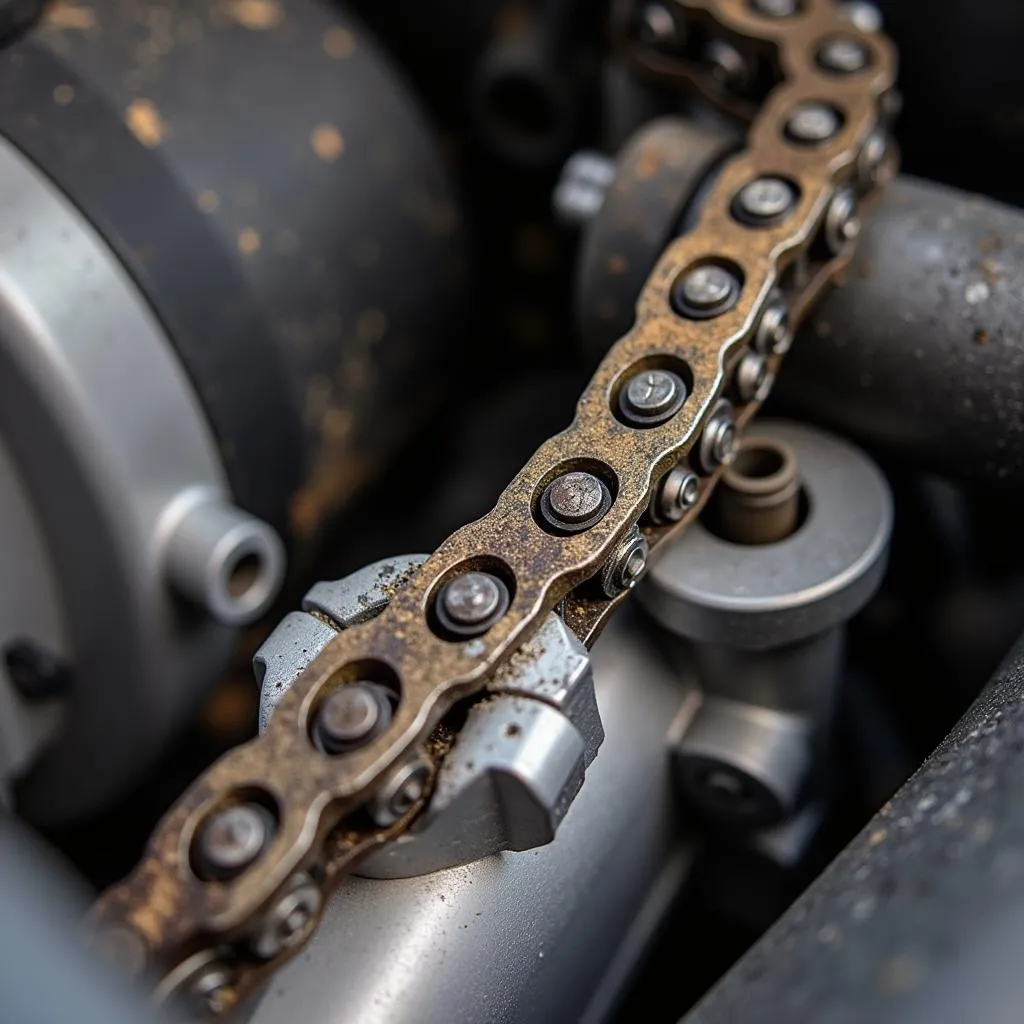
316, 797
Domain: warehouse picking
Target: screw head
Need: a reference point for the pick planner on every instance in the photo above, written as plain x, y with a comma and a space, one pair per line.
679, 492
400, 792
764, 200
652, 397
470, 604
842, 225
351, 716
289, 919
574, 502
231, 839
753, 377
706, 291
813, 122
775, 8
773, 335
843, 56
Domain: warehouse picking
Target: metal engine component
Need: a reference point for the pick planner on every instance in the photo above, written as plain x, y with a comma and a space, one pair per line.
765, 620
198, 280
550, 934
520, 758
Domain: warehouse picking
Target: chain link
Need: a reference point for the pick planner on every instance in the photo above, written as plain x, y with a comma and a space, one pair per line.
801, 186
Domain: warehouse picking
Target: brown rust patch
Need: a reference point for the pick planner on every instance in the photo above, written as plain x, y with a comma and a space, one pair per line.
145, 123
327, 142
63, 95
339, 43
77, 17
258, 15
249, 241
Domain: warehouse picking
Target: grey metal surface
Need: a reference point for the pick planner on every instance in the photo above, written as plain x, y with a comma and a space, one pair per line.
544, 935
921, 917
106, 433
761, 597
919, 351
29, 610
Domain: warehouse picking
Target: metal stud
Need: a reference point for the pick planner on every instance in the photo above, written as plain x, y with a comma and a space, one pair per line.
651, 397
718, 442
231, 839
574, 502
773, 336
470, 604
775, 8
402, 790
812, 123
843, 56
351, 716
706, 291
842, 225
289, 919
763, 201
753, 377
678, 493
627, 565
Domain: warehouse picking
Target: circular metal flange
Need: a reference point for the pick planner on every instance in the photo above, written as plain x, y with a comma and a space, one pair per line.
707, 589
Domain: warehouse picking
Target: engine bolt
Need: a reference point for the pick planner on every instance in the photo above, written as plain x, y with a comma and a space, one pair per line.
862, 15
718, 442
764, 200
843, 56
842, 225
574, 502
753, 377
705, 292
471, 603
678, 493
231, 839
776, 8
652, 397
289, 919
773, 335
813, 122
402, 791
350, 716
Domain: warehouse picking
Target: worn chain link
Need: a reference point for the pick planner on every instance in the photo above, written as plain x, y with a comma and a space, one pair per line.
167, 920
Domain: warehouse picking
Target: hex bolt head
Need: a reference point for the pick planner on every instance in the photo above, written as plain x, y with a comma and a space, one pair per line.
678, 493
773, 335
775, 8
705, 292
351, 716
627, 565
764, 200
470, 604
718, 442
753, 377
402, 790
574, 502
811, 123
231, 839
843, 56
842, 225
289, 919
651, 397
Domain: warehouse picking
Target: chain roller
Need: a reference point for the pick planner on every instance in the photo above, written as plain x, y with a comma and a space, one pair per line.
317, 802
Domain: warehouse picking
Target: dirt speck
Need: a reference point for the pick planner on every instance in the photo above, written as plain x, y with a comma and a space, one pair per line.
208, 200
339, 43
145, 123
70, 16
981, 336
258, 15
63, 95
248, 241
327, 142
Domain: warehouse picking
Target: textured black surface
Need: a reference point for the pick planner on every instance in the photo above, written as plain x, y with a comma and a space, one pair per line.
919, 354
922, 917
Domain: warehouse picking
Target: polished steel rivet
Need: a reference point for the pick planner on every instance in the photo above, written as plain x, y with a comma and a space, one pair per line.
627, 565
843, 56
470, 604
678, 493
705, 291
651, 397
350, 716
764, 199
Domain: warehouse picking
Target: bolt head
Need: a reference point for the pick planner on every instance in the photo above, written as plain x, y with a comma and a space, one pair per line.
843, 56
652, 397
472, 598
231, 839
706, 291
765, 199
813, 122
775, 8
350, 716
872, 156
402, 791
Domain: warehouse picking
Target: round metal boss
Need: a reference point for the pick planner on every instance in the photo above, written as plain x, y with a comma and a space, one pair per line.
705, 292
574, 502
843, 56
813, 122
764, 201
351, 716
470, 604
231, 839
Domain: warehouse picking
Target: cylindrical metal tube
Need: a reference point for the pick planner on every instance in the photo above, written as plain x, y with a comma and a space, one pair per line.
919, 351
548, 934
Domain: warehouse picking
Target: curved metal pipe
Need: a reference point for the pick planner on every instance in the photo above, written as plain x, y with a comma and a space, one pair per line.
919, 353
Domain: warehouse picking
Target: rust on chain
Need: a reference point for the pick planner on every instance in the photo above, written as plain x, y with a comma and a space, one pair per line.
321, 829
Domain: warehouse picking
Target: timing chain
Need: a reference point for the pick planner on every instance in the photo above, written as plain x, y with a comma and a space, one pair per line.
735, 283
